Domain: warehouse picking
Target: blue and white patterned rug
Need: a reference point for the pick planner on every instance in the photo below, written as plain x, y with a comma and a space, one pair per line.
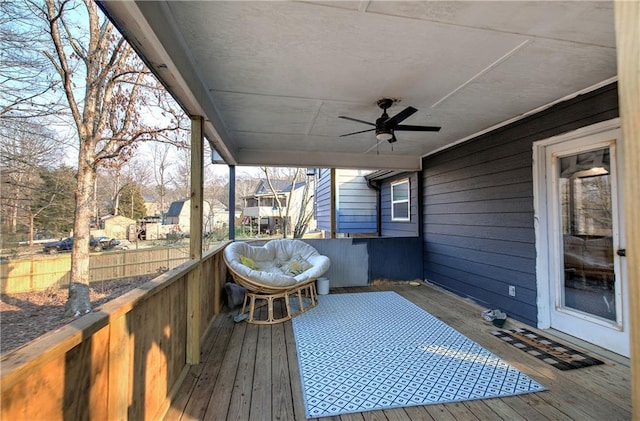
376, 350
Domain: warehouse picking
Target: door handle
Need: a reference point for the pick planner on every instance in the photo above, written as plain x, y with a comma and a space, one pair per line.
621, 252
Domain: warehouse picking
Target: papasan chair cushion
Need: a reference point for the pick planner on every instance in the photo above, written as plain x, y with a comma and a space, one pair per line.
277, 263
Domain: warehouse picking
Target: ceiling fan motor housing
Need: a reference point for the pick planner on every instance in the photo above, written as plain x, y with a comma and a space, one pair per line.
382, 129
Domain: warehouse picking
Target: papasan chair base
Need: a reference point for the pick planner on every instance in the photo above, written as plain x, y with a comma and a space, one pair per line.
304, 296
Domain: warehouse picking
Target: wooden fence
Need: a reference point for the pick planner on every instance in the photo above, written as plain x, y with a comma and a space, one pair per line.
125, 360
41, 272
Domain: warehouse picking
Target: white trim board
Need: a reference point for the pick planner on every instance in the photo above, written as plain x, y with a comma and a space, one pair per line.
541, 219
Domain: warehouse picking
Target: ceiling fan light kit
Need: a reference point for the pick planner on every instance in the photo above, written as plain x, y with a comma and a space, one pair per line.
382, 136
384, 126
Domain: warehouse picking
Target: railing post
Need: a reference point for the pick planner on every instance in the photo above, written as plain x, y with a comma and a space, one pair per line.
627, 16
334, 216
195, 243
232, 202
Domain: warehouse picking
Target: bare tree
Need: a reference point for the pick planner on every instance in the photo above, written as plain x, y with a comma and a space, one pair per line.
27, 86
106, 87
305, 214
161, 175
25, 148
216, 187
120, 176
245, 186
112, 179
182, 175
295, 176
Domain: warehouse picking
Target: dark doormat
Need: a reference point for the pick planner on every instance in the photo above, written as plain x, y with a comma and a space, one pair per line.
558, 355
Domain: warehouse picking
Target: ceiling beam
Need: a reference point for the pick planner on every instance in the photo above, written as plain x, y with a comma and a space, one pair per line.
261, 157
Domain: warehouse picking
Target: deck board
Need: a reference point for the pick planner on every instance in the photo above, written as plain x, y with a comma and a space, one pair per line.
177, 408
251, 372
240, 402
261, 394
221, 396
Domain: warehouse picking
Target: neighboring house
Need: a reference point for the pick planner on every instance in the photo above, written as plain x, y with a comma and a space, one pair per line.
118, 226
215, 216
265, 211
355, 202
179, 215
153, 207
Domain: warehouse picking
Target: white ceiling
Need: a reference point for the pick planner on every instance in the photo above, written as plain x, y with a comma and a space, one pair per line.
271, 78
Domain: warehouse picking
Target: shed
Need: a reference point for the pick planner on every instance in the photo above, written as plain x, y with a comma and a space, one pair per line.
117, 226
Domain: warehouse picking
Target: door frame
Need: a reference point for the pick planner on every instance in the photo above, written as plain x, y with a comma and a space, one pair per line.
542, 219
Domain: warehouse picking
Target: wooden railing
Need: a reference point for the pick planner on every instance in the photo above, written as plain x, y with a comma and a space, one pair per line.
41, 272
124, 360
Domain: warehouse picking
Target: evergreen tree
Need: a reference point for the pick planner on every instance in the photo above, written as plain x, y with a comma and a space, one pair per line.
56, 200
131, 203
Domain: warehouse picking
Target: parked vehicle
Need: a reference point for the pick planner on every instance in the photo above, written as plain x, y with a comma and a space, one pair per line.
57, 246
66, 244
104, 243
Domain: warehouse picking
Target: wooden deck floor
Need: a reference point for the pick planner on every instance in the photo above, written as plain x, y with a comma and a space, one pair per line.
251, 372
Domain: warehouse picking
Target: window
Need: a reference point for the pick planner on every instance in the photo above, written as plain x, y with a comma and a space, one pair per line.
400, 201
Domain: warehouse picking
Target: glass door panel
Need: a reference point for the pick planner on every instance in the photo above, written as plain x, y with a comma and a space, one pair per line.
587, 234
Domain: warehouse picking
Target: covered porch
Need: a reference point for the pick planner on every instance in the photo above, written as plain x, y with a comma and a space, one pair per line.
170, 350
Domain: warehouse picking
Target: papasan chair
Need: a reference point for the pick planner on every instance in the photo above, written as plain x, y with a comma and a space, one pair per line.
278, 270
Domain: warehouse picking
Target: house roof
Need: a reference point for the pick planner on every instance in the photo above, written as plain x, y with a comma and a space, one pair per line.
280, 186
383, 175
175, 208
272, 78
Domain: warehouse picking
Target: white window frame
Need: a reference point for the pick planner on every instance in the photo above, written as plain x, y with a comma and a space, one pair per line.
395, 202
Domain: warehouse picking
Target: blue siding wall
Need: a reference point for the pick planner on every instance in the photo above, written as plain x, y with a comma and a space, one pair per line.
394, 228
356, 203
358, 261
478, 206
394, 258
323, 200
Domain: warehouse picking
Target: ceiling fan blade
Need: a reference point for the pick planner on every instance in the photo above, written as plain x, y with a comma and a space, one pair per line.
362, 131
356, 120
417, 128
402, 115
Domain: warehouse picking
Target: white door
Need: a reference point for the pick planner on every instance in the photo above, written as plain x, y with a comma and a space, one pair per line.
587, 288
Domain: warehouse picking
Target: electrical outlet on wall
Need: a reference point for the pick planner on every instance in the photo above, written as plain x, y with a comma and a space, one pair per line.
512, 291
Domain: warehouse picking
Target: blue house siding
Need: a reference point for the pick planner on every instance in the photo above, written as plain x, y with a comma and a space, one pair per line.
391, 228
356, 203
353, 223
323, 200
377, 258
478, 221
393, 258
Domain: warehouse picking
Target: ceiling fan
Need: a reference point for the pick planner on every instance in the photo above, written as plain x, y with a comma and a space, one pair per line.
385, 126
